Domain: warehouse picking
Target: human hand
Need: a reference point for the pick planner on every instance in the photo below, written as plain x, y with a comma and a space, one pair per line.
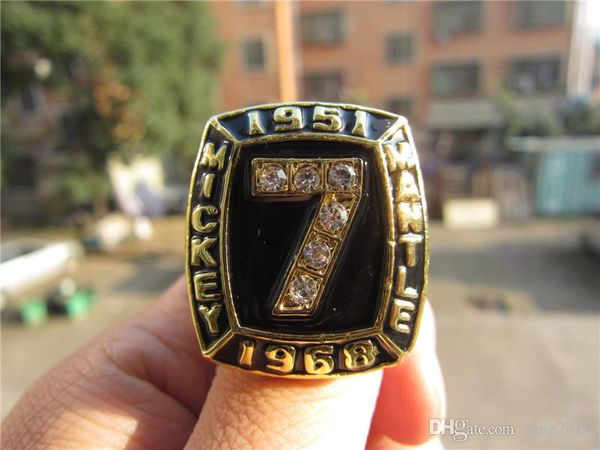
145, 385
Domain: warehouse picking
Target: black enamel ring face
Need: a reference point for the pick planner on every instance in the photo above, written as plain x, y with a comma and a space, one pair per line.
307, 247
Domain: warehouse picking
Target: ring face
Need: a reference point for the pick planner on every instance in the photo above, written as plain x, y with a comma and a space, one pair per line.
306, 238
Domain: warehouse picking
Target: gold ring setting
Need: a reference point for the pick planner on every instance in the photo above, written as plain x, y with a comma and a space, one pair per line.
306, 240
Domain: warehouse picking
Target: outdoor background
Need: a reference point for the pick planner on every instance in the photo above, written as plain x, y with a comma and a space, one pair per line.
103, 105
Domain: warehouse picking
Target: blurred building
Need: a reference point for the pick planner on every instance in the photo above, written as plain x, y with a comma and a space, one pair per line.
445, 65
436, 62
452, 67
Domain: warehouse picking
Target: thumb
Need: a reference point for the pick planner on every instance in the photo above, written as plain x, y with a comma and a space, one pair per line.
248, 411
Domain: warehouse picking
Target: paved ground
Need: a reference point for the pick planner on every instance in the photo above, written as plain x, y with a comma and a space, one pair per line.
518, 318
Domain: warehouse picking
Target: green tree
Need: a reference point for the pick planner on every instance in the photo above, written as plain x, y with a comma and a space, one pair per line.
526, 120
135, 76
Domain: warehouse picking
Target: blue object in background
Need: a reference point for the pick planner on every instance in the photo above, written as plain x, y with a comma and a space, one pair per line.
568, 183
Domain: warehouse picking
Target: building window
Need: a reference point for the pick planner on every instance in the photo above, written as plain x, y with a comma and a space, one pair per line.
456, 17
32, 98
323, 86
254, 54
455, 79
400, 105
535, 74
250, 3
327, 27
28, 100
400, 48
530, 14
22, 172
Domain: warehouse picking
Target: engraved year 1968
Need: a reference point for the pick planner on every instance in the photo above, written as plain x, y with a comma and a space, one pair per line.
315, 360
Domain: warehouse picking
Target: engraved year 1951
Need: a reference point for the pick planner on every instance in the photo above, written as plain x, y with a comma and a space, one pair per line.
324, 118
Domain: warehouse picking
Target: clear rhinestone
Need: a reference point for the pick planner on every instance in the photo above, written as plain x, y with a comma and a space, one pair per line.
272, 179
333, 216
307, 179
303, 290
316, 254
342, 176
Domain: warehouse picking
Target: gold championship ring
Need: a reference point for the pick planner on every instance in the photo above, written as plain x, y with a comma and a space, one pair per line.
306, 234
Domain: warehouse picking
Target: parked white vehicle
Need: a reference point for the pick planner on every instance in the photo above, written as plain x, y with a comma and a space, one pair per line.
29, 267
